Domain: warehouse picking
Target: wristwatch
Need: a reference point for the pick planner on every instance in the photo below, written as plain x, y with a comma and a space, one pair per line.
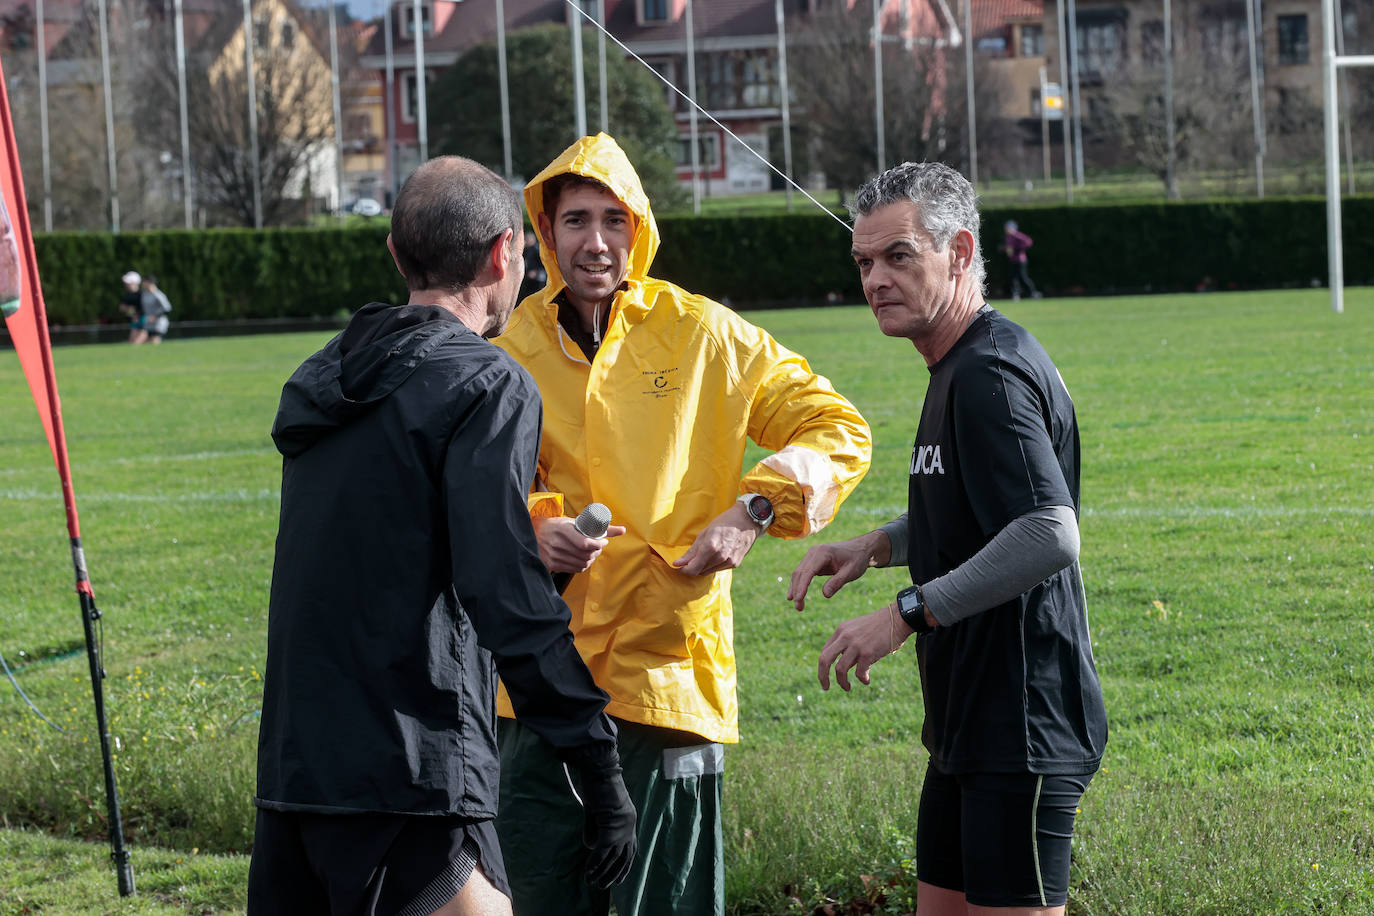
759, 507
911, 607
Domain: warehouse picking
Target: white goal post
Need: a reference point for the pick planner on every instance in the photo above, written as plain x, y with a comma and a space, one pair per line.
1331, 62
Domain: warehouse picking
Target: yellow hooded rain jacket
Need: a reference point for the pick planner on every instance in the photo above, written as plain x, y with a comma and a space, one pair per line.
655, 427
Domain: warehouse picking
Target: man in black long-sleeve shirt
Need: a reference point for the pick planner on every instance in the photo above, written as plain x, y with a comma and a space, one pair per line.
407, 576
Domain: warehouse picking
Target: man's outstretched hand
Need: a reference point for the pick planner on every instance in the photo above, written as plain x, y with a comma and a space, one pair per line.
843, 562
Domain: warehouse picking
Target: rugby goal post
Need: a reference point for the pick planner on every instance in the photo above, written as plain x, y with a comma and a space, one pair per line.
1331, 62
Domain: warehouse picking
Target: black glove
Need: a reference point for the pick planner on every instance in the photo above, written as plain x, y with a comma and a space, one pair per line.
609, 829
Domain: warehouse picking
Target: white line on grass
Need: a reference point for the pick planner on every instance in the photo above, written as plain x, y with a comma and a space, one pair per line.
89, 496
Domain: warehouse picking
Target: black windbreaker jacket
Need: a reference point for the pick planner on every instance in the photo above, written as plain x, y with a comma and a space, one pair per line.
407, 575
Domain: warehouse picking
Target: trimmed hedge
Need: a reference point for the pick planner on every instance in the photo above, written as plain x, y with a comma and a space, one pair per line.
750, 261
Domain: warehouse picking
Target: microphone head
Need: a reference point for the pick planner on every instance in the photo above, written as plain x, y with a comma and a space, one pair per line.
593, 521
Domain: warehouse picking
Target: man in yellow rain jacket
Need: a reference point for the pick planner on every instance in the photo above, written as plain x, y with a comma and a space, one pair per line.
650, 393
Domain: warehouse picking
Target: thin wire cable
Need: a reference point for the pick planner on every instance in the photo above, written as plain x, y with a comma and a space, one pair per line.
691, 101
38, 712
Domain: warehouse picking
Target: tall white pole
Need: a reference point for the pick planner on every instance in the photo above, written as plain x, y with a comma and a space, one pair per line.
338, 107
505, 87
1044, 127
692, 110
784, 100
968, 80
878, 83
43, 118
1077, 95
1064, 131
187, 203
109, 117
1344, 94
421, 83
1335, 269
1170, 162
1256, 108
252, 111
601, 63
389, 86
579, 86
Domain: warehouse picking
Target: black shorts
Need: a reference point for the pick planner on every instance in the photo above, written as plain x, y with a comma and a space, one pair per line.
366, 864
1003, 839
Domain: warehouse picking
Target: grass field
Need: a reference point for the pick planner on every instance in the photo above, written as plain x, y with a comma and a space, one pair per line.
1228, 518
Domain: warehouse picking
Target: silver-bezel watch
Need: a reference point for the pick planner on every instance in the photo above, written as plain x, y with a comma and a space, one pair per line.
759, 507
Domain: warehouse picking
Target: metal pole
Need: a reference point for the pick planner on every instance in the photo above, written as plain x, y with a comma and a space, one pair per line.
692, 111
1335, 268
785, 101
338, 108
1256, 109
878, 83
968, 79
109, 118
389, 84
43, 118
579, 87
1077, 96
505, 86
1345, 102
1044, 127
1060, 13
185, 120
421, 99
601, 63
252, 111
1170, 163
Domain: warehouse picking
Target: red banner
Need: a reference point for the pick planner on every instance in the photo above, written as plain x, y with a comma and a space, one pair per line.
21, 299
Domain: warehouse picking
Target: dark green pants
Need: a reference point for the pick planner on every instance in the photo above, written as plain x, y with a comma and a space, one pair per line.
680, 869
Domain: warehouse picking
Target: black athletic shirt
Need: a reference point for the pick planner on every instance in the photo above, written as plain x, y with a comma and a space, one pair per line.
1013, 689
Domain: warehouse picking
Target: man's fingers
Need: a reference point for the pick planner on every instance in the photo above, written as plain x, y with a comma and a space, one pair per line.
615, 531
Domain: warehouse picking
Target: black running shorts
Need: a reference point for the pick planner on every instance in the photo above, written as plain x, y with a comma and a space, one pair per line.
1004, 839
373, 864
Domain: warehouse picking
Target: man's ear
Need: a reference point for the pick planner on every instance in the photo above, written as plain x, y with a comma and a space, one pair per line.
502, 254
545, 227
391, 247
961, 252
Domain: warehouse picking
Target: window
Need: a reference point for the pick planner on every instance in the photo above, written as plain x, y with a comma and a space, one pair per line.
288, 33
654, 10
1032, 41
992, 44
666, 69
1152, 43
406, 19
1100, 47
262, 33
708, 146
731, 80
1293, 40
410, 95
1225, 37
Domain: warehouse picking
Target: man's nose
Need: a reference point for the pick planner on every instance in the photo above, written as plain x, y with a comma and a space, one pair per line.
597, 242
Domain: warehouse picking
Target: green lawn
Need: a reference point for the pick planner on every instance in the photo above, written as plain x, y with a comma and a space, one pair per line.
1228, 518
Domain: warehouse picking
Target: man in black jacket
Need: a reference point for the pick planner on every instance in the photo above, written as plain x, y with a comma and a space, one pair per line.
407, 576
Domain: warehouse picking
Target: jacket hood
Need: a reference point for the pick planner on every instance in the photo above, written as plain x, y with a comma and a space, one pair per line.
382, 345
598, 157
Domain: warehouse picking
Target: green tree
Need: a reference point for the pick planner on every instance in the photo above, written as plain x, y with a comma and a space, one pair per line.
465, 108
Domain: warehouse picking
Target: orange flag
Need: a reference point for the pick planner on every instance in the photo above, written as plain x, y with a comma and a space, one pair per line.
21, 297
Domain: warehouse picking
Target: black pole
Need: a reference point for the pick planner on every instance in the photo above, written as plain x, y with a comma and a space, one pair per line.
89, 615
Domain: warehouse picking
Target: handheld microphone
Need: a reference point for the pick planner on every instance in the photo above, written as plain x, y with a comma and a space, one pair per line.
592, 522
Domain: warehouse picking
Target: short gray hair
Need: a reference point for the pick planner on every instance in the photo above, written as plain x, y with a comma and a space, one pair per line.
943, 197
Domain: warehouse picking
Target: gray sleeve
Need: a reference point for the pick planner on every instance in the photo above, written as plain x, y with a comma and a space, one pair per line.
896, 531
1029, 550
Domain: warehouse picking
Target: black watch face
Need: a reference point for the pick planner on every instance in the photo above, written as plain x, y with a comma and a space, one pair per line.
760, 508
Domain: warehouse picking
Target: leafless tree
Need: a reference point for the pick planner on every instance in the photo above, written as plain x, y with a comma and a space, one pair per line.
294, 114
